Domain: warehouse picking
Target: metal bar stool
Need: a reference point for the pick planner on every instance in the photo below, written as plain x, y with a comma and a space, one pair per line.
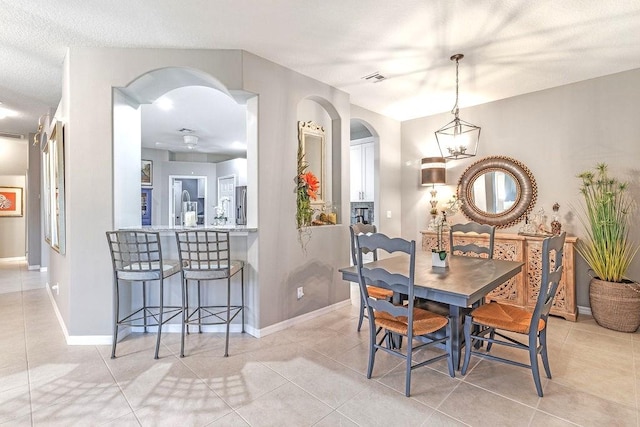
205, 256
137, 258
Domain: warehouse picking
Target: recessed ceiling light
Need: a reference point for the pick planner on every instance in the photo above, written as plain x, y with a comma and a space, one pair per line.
164, 103
5, 112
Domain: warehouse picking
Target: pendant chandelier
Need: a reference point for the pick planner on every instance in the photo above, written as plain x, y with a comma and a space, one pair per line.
458, 139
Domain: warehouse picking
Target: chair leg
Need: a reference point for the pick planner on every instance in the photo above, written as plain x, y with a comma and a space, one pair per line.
468, 343
116, 311
144, 305
226, 345
361, 316
449, 349
160, 318
186, 303
185, 313
199, 310
407, 376
533, 358
372, 347
242, 296
492, 336
543, 353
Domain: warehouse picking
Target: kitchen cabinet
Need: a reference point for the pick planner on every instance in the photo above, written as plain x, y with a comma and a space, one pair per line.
202, 186
362, 170
145, 206
522, 290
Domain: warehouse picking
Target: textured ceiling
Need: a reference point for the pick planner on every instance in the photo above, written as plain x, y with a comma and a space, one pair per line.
511, 47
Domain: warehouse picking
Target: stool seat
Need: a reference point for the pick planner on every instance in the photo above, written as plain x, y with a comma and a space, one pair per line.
135, 271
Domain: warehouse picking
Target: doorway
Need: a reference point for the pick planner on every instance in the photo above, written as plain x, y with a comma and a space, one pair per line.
187, 189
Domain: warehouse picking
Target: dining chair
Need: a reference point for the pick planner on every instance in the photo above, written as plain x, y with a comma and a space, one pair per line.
205, 257
495, 319
423, 326
374, 291
459, 244
136, 257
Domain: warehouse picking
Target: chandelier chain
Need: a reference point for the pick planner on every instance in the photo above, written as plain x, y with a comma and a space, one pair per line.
455, 107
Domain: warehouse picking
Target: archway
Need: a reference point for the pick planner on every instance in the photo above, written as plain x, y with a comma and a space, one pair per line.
210, 135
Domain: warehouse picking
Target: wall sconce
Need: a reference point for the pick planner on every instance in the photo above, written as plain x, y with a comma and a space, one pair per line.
433, 171
458, 139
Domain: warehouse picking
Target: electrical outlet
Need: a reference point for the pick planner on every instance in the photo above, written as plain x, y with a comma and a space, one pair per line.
300, 292
388, 214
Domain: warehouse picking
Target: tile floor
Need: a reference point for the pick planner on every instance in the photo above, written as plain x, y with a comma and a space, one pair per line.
310, 374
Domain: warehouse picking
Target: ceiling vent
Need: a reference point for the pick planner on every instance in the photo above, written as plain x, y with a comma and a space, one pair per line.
11, 135
375, 77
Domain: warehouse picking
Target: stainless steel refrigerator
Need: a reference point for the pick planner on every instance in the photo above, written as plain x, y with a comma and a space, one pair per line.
241, 205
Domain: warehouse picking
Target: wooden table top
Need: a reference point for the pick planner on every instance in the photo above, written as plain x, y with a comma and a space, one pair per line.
464, 282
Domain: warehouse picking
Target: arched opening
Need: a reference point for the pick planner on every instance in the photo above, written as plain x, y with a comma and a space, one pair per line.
323, 114
363, 183
181, 128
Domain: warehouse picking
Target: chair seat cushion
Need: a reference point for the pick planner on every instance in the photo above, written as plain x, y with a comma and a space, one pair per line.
424, 322
149, 270
202, 271
379, 293
504, 316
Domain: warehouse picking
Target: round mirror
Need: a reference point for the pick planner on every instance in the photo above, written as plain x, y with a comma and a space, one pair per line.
497, 190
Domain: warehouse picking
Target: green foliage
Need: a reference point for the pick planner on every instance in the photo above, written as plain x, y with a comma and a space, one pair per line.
304, 212
606, 217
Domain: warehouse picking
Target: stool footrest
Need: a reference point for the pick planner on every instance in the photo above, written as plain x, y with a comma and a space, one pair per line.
206, 315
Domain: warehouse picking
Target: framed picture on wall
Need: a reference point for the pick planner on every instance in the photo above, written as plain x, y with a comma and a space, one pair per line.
11, 203
147, 173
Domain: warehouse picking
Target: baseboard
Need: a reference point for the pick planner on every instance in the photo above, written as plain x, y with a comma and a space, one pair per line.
259, 333
14, 258
176, 328
43, 269
75, 339
584, 310
33, 267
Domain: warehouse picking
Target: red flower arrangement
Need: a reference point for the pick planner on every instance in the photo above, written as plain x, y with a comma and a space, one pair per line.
311, 183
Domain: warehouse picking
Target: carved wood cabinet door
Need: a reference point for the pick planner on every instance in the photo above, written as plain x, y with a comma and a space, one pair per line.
522, 290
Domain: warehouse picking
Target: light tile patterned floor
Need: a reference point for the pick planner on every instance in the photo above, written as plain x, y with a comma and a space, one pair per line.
311, 374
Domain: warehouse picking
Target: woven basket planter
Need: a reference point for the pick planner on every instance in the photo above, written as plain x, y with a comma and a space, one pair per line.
615, 305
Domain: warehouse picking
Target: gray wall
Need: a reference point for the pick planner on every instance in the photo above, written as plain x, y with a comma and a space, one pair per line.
557, 133
34, 224
13, 169
84, 273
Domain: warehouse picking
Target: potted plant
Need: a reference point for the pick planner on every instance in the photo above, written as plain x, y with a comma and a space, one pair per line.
614, 299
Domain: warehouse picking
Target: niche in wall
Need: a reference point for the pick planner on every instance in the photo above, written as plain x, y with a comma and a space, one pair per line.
318, 113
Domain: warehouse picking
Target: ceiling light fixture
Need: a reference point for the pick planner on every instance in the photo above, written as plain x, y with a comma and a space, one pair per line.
190, 140
458, 139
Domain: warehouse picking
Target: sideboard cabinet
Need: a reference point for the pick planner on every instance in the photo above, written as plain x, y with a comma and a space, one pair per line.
522, 290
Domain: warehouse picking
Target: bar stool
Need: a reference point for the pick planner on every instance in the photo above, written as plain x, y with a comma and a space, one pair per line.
205, 256
136, 257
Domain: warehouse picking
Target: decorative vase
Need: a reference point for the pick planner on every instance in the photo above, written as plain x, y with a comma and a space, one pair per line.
615, 305
439, 259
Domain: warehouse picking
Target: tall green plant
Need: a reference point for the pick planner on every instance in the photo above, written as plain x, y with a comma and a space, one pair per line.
607, 248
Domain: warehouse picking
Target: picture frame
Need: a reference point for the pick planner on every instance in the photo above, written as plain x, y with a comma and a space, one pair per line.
11, 202
53, 187
146, 173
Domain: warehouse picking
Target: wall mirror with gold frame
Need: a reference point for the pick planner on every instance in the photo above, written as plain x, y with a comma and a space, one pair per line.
498, 191
312, 143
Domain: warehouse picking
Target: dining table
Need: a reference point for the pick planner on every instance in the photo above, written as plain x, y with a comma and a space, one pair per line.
463, 284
